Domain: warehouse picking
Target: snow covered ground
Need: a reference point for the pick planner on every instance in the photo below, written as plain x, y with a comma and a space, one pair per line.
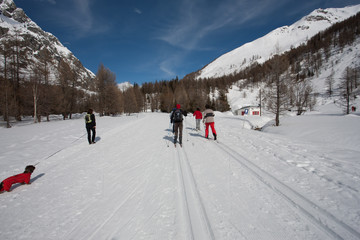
297, 181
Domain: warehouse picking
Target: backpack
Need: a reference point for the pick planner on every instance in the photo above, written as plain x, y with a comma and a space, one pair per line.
177, 116
88, 118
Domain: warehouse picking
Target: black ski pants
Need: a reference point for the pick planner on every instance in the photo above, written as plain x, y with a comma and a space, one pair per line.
91, 139
178, 128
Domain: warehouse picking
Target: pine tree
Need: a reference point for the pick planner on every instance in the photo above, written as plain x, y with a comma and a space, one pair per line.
330, 83
130, 103
6, 84
109, 96
346, 88
64, 82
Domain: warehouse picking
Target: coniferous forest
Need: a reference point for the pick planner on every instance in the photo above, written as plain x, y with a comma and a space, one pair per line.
284, 78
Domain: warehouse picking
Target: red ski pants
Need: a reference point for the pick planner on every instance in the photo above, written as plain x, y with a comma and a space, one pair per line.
212, 125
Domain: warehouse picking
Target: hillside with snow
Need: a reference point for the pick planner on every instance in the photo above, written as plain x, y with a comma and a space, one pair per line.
124, 86
15, 25
335, 66
276, 42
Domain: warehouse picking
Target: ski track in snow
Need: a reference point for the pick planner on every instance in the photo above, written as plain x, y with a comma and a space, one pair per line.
199, 224
131, 185
329, 223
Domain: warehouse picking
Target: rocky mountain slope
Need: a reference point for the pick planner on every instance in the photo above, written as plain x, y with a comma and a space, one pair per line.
16, 25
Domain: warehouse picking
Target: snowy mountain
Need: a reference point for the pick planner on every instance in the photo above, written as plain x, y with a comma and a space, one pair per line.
15, 24
124, 86
276, 42
334, 66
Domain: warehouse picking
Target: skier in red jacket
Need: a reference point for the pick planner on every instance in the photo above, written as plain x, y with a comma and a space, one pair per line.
5, 185
198, 116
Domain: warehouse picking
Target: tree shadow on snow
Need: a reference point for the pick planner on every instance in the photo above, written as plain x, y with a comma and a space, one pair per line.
190, 128
197, 134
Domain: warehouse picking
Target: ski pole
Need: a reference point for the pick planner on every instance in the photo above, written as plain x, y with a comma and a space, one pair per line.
79, 137
187, 134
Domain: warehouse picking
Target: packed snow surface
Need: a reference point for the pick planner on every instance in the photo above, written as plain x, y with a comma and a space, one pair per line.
297, 181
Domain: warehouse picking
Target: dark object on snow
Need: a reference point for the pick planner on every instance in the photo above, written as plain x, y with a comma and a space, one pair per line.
6, 184
90, 126
177, 119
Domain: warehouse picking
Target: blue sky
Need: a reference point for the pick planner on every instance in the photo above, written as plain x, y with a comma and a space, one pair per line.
147, 40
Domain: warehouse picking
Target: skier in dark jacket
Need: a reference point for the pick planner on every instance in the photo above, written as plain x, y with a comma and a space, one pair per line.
19, 178
177, 120
171, 121
90, 126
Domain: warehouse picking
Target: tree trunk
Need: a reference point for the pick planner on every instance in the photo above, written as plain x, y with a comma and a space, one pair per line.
35, 103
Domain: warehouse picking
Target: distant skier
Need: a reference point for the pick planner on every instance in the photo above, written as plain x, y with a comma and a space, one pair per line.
198, 116
19, 178
177, 120
90, 126
209, 121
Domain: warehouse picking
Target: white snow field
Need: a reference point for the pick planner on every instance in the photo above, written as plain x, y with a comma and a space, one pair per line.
297, 181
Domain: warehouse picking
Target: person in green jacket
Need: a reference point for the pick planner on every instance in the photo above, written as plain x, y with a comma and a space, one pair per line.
90, 126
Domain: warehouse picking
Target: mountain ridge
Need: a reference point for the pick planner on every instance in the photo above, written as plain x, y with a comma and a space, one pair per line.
15, 23
284, 38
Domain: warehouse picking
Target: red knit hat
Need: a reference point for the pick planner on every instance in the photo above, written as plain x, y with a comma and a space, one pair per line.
178, 106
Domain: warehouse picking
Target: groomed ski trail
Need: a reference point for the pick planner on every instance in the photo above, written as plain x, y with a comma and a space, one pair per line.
198, 226
249, 186
329, 224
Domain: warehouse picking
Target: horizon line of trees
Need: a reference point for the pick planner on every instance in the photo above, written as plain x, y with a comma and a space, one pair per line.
26, 88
